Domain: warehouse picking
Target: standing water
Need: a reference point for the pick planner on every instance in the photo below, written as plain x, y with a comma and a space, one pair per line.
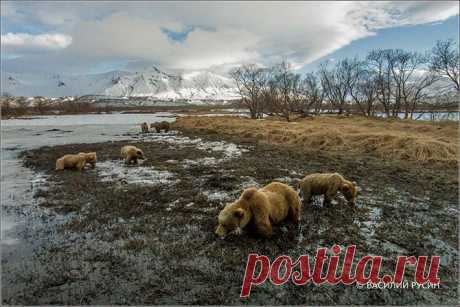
18, 182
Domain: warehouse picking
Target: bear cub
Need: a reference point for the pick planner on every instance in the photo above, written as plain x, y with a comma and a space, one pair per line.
327, 184
131, 153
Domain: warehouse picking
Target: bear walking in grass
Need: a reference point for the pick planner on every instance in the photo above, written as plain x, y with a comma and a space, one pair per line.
131, 153
327, 184
77, 161
164, 125
269, 205
144, 128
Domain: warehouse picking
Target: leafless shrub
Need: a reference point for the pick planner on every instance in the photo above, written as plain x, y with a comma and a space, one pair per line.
444, 62
251, 80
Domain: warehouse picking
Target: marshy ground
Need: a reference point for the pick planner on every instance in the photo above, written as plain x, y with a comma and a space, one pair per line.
145, 234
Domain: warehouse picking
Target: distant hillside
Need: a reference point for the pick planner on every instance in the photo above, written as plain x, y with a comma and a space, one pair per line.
152, 82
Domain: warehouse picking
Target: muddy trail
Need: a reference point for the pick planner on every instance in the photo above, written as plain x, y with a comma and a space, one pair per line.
145, 234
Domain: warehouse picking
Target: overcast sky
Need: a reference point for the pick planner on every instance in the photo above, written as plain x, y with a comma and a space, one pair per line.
90, 37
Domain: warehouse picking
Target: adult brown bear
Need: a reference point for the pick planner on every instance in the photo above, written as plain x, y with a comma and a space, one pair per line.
144, 128
77, 161
160, 126
269, 205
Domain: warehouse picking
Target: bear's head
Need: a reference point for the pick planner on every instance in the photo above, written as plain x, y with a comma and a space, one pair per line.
91, 156
139, 154
234, 217
350, 191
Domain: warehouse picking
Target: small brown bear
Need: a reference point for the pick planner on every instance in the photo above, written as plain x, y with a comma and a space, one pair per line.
77, 161
269, 205
145, 128
131, 153
327, 184
160, 126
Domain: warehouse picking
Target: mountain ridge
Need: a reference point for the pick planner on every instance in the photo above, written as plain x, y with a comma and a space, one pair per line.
151, 82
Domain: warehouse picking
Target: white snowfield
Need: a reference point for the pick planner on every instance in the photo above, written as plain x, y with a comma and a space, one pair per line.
152, 82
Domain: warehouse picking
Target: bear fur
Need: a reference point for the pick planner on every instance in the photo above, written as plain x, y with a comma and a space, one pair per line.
160, 126
264, 207
327, 184
145, 128
131, 153
77, 161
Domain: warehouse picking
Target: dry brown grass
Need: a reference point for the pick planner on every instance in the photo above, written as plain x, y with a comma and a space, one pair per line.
406, 140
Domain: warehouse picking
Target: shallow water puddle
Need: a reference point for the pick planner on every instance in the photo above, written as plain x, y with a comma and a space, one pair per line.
111, 171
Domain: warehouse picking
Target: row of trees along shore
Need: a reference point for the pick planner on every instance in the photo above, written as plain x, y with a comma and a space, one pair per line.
15, 106
389, 82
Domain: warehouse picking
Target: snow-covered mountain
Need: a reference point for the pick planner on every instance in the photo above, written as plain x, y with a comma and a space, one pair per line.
152, 82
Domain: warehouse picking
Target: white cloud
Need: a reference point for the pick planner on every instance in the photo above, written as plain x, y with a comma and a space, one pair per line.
121, 35
28, 42
223, 34
379, 15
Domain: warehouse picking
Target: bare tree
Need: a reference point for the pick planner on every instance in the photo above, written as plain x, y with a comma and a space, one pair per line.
444, 61
250, 80
418, 90
338, 81
21, 105
41, 104
5, 105
378, 63
364, 91
284, 92
402, 66
314, 95
401, 79
18, 105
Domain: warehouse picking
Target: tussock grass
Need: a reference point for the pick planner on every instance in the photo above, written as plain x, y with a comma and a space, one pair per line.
392, 139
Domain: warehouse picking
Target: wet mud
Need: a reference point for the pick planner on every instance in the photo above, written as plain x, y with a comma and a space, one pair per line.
144, 234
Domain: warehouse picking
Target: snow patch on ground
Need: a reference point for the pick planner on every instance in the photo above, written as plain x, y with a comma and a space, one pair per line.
207, 161
448, 253
229, 150
110, 171
38, 182
249, 182
217, 196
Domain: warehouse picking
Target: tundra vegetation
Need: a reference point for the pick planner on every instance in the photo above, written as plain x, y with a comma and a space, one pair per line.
144, 234
391, 82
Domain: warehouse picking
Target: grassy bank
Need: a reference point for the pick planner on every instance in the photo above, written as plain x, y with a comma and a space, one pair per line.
389, 139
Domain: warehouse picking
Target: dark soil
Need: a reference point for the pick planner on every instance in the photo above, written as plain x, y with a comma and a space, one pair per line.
155, 244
